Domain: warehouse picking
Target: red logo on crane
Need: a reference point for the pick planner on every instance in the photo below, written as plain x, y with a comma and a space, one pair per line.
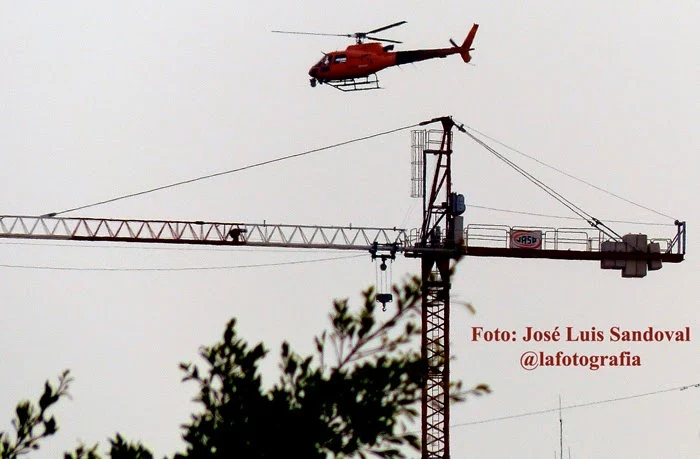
521, 239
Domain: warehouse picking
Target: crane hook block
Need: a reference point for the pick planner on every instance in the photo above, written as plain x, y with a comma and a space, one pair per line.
384, 298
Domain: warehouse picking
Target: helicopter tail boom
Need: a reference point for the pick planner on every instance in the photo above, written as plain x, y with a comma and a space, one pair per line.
466, 46
405, 57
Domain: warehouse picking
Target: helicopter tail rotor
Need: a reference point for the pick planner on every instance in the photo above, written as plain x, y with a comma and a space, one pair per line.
466, 46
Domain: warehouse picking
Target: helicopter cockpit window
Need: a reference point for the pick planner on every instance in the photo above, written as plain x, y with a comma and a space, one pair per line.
325, 61
340, 59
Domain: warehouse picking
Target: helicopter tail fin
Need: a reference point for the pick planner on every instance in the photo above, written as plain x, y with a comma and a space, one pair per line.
466, 46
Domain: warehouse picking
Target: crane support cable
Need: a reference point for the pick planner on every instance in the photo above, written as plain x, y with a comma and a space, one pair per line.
564, 217
594, 222
231, 171
571, 206
570, 175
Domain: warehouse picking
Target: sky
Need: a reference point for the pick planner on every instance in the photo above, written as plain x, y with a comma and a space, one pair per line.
101, 99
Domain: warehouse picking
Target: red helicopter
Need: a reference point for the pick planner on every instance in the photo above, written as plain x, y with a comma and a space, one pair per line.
355, 68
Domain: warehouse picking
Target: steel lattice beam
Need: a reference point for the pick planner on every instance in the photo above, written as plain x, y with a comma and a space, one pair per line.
435, 351
295, 236
435, 313
198, 232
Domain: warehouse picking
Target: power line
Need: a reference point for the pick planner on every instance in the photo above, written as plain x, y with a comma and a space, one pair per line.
195, 268
569, 175
231, 171
146, 246
580, 405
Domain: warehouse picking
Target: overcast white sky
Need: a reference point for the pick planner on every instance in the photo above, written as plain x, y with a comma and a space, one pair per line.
102, 99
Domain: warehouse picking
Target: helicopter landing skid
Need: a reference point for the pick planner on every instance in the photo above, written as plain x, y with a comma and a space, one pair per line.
356, 84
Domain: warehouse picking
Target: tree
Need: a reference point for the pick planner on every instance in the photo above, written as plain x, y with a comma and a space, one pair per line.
353, 398
31, 422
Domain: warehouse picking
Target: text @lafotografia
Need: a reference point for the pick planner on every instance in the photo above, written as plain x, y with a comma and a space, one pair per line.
531, 359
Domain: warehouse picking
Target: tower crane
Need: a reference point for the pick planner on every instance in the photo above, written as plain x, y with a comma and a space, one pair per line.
441, 239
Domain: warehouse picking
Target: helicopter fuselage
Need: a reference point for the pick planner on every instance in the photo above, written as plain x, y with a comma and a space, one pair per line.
364, 59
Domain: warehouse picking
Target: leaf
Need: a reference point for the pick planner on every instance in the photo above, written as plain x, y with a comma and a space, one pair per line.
22, 412
291, 367
46, 398
50, 426
484, 388
412, 440
229, 333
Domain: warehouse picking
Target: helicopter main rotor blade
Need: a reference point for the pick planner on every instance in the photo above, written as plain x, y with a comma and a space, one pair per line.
382, 39
396, 24
313, 33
